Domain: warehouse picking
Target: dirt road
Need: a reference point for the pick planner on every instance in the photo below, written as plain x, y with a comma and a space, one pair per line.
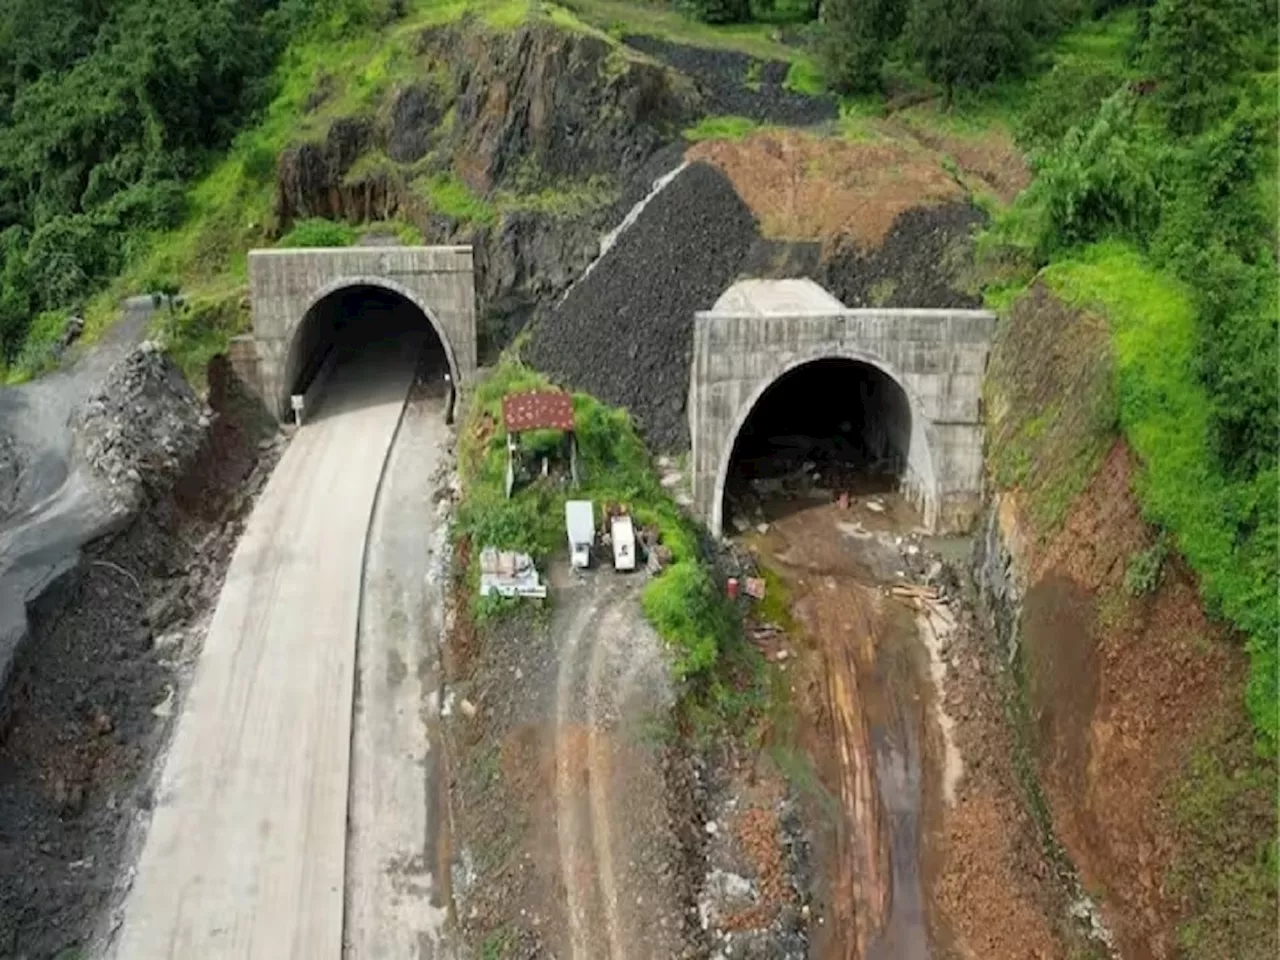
612, 836
245, 854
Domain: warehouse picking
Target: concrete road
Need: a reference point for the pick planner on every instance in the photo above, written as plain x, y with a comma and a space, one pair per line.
396, 901
245, 854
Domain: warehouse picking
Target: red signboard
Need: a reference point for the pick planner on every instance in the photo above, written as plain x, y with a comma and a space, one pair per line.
537, 411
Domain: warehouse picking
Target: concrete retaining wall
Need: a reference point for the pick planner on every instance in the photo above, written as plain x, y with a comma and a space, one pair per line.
938, 357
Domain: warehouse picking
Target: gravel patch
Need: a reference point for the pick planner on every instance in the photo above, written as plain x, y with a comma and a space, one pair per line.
926, 260
738, 85
625, 332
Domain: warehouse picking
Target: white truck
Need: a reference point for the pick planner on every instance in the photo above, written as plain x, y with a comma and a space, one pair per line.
623, 535
579, 520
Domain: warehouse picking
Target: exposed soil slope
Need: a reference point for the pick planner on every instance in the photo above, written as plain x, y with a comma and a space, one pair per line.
1133, 696
803, 187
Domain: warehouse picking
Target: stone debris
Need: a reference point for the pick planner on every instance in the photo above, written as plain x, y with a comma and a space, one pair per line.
144, 428
624, 333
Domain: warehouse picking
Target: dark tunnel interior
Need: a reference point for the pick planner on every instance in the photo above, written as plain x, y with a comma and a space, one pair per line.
830, 425
352, 319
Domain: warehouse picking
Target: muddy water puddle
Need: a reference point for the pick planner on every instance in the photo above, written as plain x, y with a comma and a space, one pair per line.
863, 696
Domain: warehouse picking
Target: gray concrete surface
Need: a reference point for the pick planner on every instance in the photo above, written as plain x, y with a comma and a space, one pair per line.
57, 506
286, 284
395, 904
245, 855
760, 330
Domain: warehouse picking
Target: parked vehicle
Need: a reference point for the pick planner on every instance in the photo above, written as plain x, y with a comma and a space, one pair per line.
579, 521
623, 535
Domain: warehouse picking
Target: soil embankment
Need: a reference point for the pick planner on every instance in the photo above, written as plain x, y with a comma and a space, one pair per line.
95, 688
1129, 697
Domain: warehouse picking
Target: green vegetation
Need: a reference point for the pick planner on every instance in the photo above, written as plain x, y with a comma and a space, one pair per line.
318, 233
1228, 860
1225, 525
447, 194
721, 128
108, 110
684, 604
1146, 568
1157, 211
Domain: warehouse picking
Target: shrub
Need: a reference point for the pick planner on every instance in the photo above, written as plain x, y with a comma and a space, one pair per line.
319, 233
1099, 182
1146, 568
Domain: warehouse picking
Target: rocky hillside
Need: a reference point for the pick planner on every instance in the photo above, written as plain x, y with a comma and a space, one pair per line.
518, 142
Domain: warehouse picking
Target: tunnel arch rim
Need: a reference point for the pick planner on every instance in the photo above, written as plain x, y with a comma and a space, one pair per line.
931, 494
363, 280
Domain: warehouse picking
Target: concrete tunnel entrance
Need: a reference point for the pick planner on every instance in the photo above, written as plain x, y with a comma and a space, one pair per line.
827, 426
354, 320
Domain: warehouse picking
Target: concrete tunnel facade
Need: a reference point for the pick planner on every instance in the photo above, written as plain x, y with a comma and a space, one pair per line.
290, 287
760, 331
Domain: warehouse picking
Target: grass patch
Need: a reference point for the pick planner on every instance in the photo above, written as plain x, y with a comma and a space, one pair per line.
1226, 530
1226, 871
805, 76
319, 232
760, 40
683, 603
721, 128
570, 198
200, 329
41, 349
446, 194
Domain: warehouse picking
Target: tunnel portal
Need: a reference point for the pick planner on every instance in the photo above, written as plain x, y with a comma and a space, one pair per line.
831, 424
356, 318
306, 301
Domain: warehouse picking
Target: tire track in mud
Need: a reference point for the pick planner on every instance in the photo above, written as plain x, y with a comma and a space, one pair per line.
570, 828
598, 764
612, 677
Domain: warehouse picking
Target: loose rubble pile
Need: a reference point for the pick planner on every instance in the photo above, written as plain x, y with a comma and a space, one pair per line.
145, 427
926, 260
734, 84
625, 332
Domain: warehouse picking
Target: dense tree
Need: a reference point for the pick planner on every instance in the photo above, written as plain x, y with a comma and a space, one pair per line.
107, 108
970, 42
720, 11
856, 35
1195, 48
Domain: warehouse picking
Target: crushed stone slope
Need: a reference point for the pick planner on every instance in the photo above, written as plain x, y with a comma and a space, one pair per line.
625, 333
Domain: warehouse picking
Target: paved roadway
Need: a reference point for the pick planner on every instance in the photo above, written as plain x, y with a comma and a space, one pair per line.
245, 853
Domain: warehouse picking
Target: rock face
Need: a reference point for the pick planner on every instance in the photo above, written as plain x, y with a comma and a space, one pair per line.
568, 104
534, 109
144, 429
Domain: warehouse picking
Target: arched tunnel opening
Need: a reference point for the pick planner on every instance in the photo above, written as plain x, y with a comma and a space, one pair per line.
827, 427
369, 325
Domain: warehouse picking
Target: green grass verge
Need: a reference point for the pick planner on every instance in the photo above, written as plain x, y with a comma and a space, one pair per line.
40, 351
1227, 865
1226, 530
683, 603
721, 128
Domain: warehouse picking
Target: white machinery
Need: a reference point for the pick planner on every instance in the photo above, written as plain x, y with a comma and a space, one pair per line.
623, 535
579, 520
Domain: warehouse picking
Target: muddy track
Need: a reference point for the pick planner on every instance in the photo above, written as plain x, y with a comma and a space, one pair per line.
611, 680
